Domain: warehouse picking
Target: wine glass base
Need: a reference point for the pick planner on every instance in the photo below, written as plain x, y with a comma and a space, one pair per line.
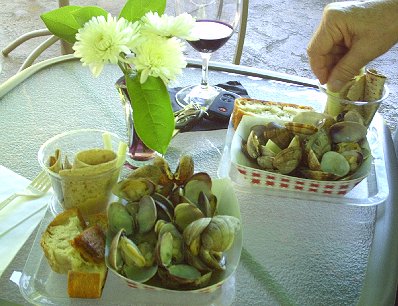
196, 94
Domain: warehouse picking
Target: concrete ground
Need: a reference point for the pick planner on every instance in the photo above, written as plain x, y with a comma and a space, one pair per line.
277, 36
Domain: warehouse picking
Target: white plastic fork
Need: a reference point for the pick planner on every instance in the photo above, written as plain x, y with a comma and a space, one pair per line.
37, 188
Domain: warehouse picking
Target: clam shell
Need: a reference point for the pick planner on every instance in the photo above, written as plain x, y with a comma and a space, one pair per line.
119, 218
353, 115
146, 215
347, 131
196, 261
195, 229
214, 260
318, 175
140, 275
354, 159
185, 213
335, 163
194, 187
253, 145
319, 142
131, 254
219, 235
298, 128
279, 134
133, 189
165, 249
288, 159
313, 161
164, 205
316, 119
115, 256
185, 170
183, 274
266, 162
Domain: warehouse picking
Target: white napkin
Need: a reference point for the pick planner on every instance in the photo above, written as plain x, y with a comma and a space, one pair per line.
19, 218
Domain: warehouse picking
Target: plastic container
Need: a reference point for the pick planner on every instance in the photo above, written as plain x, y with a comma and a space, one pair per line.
370, 187
94, 168
42, 286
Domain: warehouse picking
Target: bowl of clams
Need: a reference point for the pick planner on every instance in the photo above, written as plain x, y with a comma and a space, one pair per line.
313, 153
173, 230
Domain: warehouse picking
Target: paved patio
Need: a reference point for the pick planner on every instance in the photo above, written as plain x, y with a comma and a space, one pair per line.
277, 36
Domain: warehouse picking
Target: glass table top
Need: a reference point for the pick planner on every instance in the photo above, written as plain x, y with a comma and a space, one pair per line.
295, 251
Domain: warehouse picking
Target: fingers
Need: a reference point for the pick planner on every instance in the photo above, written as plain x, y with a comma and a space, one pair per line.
346, 68
326, 47
345, 40
322, 65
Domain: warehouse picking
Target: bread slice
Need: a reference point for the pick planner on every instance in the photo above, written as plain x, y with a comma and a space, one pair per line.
56, 241
91, 244
87, 285
86, 271
268, 109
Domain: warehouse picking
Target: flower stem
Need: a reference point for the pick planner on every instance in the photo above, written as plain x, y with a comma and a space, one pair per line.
122, 67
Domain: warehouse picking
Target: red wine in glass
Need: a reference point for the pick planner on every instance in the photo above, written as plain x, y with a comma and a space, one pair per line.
212, 35
215, 24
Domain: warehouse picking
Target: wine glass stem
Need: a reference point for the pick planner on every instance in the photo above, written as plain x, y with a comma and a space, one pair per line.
205, 69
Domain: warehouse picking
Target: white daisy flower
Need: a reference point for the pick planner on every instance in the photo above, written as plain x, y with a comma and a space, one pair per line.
103, 41
159, 57
168, 26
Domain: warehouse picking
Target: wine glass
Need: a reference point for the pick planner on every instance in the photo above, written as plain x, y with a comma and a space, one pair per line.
216, 21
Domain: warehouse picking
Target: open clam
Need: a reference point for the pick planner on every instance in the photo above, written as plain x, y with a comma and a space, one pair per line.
134, 189
209, 238
146, 215
279, 134
315, 119
253, 145
119, 218
335, 163
347, 131
184, 276
185, 170
301, 129
198, 183
126, 258
288, 159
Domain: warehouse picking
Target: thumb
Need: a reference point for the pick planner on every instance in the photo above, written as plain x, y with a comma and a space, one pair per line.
347, 68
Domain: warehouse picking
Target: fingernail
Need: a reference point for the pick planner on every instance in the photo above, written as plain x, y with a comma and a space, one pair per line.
335, 86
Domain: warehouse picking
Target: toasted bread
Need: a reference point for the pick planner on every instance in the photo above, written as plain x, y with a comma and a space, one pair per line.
91, 244
72, 248
269, 109
86, 285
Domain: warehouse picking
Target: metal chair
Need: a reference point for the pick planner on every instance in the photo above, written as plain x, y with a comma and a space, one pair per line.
67, 49
242, 32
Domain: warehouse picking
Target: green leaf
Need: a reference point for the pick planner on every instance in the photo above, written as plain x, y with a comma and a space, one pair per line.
61, 22
152, 112
133, 10
86, 13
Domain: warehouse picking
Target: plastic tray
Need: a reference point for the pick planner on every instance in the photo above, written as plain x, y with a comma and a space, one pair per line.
41, 286
371, 190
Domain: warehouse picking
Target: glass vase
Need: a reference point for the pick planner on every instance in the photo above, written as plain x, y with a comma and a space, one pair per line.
138, 154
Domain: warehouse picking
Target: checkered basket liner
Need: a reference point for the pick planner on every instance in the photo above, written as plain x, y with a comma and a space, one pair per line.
262, 178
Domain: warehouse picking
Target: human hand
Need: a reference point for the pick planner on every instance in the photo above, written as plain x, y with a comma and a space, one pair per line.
350, 35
